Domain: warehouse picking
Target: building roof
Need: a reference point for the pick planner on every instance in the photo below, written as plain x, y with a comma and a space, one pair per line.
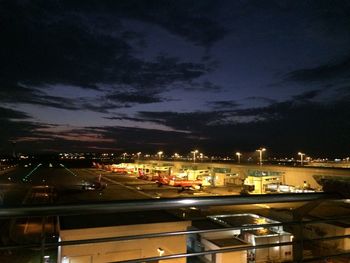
261, 232
237, 220
260, 173
205, 224
116, 219
228, 242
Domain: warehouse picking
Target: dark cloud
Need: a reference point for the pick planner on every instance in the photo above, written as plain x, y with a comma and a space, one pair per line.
189, 19
146, 139
344, 92
47, 45
134, 119
104, 103
261, 99
24, 94
291, 126
224, 104
188, 121
50, 43
6, 113
133, 97
227, 113
124, 118
102, 106
308, 95
94, 46
333, 18
325, 17
115, 139
203, 86
119, 99
15, 125
284, 127
162, 72
330, 71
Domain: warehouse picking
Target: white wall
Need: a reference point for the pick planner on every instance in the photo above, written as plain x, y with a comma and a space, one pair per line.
123, 250
228, 257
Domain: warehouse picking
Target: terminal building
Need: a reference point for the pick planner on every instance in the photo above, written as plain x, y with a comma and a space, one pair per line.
260, 180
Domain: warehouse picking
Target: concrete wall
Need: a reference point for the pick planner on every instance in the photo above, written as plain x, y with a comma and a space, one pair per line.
123, 250
292, 175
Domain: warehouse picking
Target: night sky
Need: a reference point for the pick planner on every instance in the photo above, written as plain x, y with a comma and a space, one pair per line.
219, 76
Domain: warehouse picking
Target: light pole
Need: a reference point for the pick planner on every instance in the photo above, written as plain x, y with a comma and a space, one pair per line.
239, 156
194, 155
124, 156
301, 158
160, 154
261, 150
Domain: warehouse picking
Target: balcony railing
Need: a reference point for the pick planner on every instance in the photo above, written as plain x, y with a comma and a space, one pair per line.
298, 223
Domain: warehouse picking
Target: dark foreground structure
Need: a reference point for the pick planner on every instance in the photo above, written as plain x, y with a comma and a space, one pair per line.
199, 225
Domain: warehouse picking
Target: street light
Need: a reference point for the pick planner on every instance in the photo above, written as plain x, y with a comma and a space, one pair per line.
194, 155
160, 154
261, 150
301, 157
239, 156
124, 155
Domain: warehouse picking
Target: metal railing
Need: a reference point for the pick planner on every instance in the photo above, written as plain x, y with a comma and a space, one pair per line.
176, 203
158, 204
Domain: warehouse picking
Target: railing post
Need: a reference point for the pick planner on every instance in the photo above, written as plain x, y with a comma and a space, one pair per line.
43, 239
298, 215
298, 243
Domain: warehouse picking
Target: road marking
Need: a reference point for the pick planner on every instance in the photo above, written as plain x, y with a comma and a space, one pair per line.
31, 172
68, 170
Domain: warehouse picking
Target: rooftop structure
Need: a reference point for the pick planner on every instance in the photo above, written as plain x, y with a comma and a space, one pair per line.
119, 225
